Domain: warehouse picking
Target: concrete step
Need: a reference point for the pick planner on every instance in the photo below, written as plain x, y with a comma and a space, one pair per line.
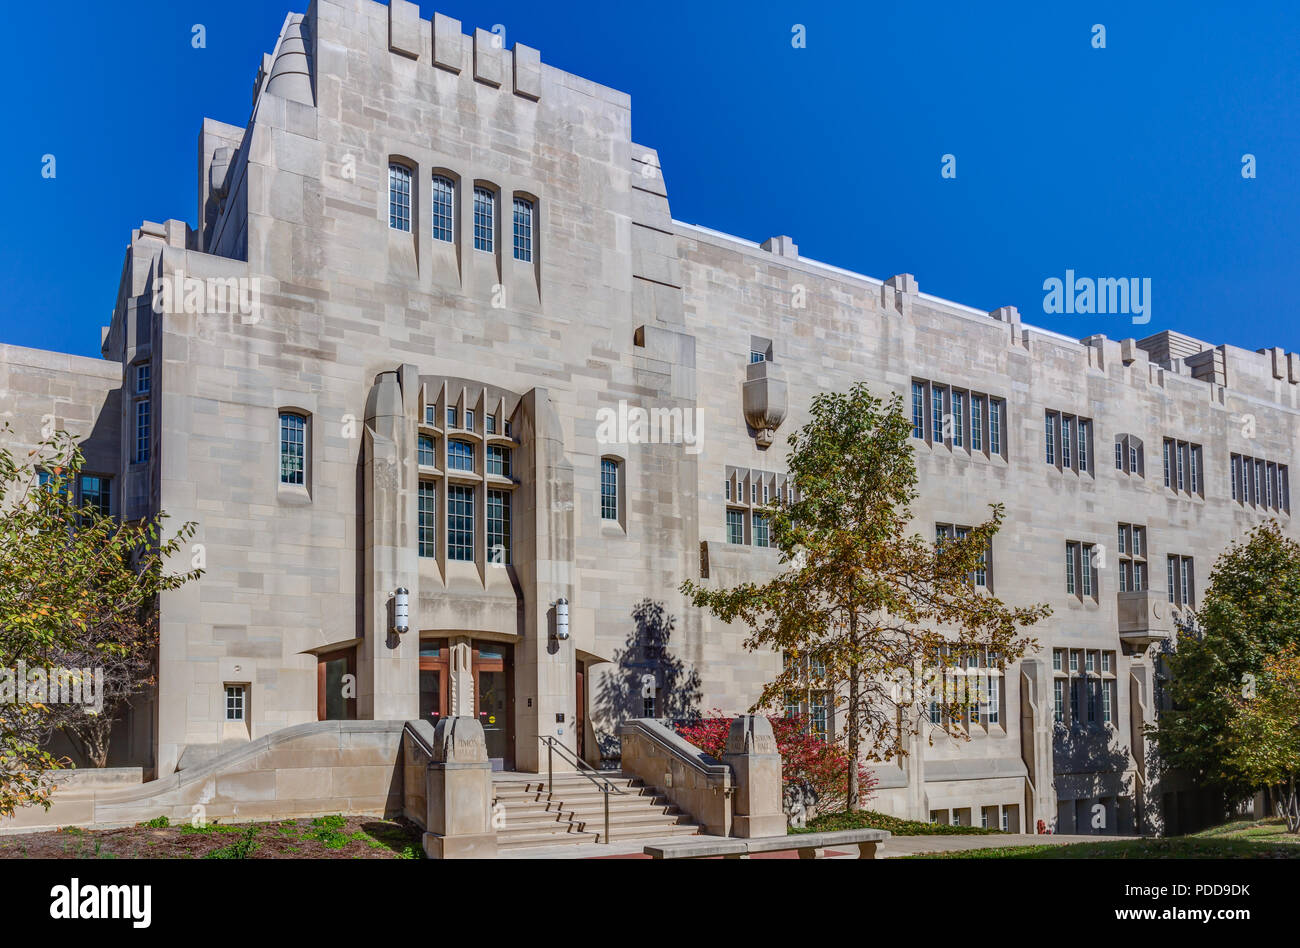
507, 840
630, 819
645, 805
618, 834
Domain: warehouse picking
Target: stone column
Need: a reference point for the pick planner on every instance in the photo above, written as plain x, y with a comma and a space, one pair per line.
459, 793
545, 667
752, 755
388, 687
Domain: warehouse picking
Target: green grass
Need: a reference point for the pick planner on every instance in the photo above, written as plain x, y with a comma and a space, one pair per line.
241, 848
870, 819
1264, 831
1177, 847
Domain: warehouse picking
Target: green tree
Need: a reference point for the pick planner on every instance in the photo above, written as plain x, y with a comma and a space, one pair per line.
1251, 611
867, 611
73, 583
1264, 732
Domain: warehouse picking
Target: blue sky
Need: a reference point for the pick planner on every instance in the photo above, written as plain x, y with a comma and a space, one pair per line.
1116, 162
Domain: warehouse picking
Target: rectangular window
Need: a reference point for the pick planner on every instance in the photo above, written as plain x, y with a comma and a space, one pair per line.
1050, 436
1092, 701
498, 527
469, 419
735, 526
96, 492
460, 523
293, 448
1085, 435
1105, 661
399, 197
1134, 467
958, 419
1123, 538
994, 712
1056, 659
1085, 567
234, 702
498, 460
460, 455
1167, 464
936, 414
1182, 464
452, 417
142, 430
726, 489
1139, 577
995, 426
1194, 459
1107, 701
918, 410
428, 512
1006, 820
1284, 493
490, 424
484, 219
444, 204
1090, 661
818, 715
1186, 581
523, 230
977, 423
1119, 455
760, 530
756, 356
1067, 436
1255, 487
1138, 543
1069, 568
426, 455
1234, 464
143, 378
431, 416
1074, 660
608, 489
1171, 566
1058, 700
1270, 484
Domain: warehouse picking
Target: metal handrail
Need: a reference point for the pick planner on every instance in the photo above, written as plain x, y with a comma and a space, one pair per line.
601, 783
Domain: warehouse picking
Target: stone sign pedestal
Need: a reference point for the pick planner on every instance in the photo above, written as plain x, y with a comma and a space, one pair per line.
459, 788
752, 755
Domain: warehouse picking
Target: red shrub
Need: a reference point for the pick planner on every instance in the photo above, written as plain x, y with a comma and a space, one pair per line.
823, 764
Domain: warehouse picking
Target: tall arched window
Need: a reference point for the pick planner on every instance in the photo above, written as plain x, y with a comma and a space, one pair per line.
444, 205
609, 473
485, 215
399, 196
523, 229
293, 448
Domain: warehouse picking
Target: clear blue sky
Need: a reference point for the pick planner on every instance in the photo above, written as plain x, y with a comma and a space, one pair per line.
1115, 162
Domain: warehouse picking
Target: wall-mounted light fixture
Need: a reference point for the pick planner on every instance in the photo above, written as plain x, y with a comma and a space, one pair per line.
401, 609
561, 618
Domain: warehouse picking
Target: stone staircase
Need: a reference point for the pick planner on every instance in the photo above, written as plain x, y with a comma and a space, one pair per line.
575, 812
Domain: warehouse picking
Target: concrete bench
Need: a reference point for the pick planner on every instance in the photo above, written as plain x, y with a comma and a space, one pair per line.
808, 845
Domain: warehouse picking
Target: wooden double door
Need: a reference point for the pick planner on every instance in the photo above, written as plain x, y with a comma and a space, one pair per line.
492, 672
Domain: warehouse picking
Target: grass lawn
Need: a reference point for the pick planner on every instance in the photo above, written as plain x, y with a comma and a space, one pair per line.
1242, 839
325, 837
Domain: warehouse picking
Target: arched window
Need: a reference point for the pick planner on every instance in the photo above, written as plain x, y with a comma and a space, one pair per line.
399, 196
485, 215
293, 448
609, 488
444, 208
523, 229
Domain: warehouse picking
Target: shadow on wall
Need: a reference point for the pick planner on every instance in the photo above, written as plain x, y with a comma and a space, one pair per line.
1091, 766
646, 681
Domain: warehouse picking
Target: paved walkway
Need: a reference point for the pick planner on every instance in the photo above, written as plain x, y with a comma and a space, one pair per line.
892, 848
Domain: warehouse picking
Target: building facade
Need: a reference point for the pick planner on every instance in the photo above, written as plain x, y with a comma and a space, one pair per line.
436, 347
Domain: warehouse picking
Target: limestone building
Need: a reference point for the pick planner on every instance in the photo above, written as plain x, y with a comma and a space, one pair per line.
397, 364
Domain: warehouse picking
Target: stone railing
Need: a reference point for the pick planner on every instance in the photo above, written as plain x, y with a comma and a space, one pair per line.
737, 796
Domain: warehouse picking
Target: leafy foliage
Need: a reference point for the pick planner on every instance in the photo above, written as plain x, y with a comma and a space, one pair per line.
79, 589
864, 609
870, 819
1249, 620
804, 757
1264, 732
